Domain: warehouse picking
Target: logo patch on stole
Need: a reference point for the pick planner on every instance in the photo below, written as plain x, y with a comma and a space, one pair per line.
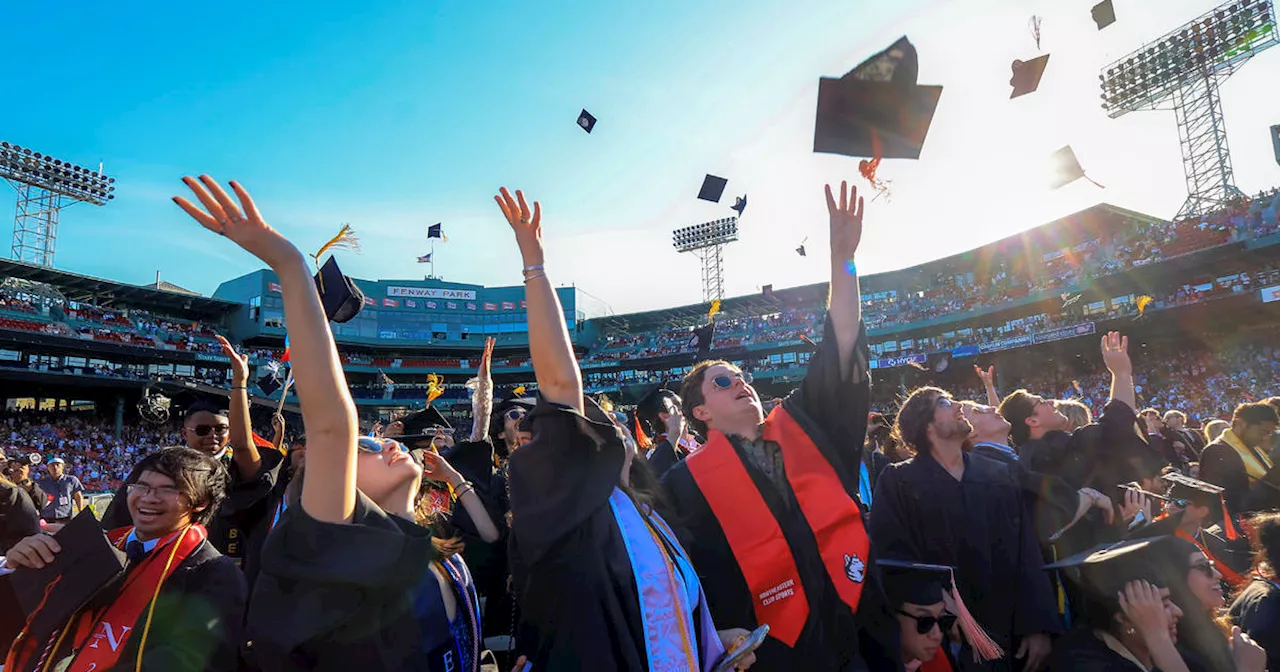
854, 568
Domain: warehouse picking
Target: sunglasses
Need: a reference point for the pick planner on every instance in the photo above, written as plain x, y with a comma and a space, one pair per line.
203, 430
725, 382
1205, 567
515, 414
370, 444
438, 431
925, 624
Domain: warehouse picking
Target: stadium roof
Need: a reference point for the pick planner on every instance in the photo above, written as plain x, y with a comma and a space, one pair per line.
1069, 230
107, 293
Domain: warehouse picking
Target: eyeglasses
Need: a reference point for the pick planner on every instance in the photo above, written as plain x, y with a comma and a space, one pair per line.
438, 431
516, 414
925, 624
165, 492
1206, 567
945, 402
725, 382
981, 410
203, 430
370, 444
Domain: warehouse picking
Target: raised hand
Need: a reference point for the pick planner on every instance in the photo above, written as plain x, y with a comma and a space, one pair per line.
1115, 354
988, 376
526, 223
246, 229
239, 362
1248, 656
1142, 604
436, 468
486, 359
846, 223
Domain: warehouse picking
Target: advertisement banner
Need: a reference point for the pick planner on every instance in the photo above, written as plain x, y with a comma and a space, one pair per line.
905, 360
1270, 294
432, 293
1005, 344
1064, 332
964, 351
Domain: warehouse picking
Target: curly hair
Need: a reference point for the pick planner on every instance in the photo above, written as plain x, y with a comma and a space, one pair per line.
914, 417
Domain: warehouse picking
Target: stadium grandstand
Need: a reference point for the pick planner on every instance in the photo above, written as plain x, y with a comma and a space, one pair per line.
1200, 300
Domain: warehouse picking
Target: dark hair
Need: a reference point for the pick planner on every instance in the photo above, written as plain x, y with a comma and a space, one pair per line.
1198, 634
915, 416
691, 392
650, 408
1016, 408
201, 478
1264, 536
1273, 402
201, 408
1256, 413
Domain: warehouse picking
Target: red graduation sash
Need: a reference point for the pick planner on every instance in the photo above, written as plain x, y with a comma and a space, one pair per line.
756, 539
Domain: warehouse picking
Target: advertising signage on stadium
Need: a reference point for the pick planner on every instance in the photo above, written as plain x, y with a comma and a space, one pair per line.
1270, 294
1064, 332
1005, 344
432, 293
905, 360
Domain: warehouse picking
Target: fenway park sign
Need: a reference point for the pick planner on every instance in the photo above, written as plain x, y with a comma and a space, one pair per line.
432, 293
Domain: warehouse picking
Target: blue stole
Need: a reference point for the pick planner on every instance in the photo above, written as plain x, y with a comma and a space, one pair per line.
864, 484
669, 591
444, 650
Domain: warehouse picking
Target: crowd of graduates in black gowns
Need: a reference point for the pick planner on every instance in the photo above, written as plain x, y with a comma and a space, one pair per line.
700, 533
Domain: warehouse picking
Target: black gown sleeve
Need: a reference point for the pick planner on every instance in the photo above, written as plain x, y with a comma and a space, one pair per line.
560, 478
1257, 612
831, 409
664, 457
1220, 466
19, 517
198, 628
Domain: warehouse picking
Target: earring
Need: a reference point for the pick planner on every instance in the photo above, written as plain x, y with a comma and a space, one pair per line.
1130, 631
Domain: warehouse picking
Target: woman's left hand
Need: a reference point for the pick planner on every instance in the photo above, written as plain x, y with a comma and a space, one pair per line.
731, 638
846, 223
436, 468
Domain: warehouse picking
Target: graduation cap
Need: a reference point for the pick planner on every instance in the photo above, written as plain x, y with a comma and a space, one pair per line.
1026, 75
876, 110
740, 204
1201, 493
1065, 169
767, 293
658, 400
1104, 14
701, 337
586, 121
712, 188
924, 584
416, 423
341, 297
1103, 571
86, 563
800, 250
269, 384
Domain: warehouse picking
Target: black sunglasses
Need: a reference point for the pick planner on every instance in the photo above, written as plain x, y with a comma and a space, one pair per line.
203, 430
726, 382
925, 624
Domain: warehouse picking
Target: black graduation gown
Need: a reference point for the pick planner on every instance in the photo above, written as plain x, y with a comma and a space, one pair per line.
487, 561
1082, 651
340, 597
1257, 611
197, 625
248, 505
664, 457
833, 412
577, 592
19, 517
1221, 465
1100, 456
980, 526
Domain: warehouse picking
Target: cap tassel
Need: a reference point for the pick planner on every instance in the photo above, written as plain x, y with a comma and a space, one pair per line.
1228, 525
346, 239
641, 438
435, 387
984, 648
1093, 182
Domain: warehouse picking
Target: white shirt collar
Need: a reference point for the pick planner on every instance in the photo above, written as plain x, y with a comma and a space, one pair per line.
147, 546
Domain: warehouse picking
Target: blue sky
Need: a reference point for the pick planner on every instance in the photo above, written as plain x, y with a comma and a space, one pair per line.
395, 115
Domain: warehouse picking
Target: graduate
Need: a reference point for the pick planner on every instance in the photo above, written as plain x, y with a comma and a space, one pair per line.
769, 506
658, 417
948, 507
915, 597
1190, 505
602, 582
176, 606
349, 580
1256, 610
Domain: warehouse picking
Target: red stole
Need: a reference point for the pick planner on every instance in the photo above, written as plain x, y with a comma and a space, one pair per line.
1233, 579
756, 539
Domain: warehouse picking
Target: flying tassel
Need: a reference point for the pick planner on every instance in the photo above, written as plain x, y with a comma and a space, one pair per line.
868, 169
1094, 182
1142, 302
984, 648
715, 308
345, 240
519, 391
435, 387
1034, 24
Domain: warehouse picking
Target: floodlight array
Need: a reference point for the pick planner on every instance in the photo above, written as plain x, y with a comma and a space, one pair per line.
1216, 41
27, 167
707, 234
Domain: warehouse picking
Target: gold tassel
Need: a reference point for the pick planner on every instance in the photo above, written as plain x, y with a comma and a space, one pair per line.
715, 308
519, 391
345, 240
435, 387
1142, 303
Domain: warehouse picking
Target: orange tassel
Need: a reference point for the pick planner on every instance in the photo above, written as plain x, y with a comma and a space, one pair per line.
642, 439
1228, 525
984, 648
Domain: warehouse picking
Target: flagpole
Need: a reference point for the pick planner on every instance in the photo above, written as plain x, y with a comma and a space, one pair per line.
433, 258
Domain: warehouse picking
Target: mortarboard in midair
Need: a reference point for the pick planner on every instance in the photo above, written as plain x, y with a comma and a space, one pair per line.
585, 121
740, 205
700, 340
1065, 168
1104, 14
712, 188
767, 293
1026, 75
876, 110
341, 298
269, 384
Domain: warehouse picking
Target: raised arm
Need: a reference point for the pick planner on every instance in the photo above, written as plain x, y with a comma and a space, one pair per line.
845, 312
1115, 353
329, 414
988, 378
554, 365
244, 452
482, 397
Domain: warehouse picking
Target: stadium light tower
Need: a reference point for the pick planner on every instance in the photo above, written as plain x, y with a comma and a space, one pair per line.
1183, 71
45, 185
707, 242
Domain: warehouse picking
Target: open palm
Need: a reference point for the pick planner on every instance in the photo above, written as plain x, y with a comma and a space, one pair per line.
242, 224
846, 222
